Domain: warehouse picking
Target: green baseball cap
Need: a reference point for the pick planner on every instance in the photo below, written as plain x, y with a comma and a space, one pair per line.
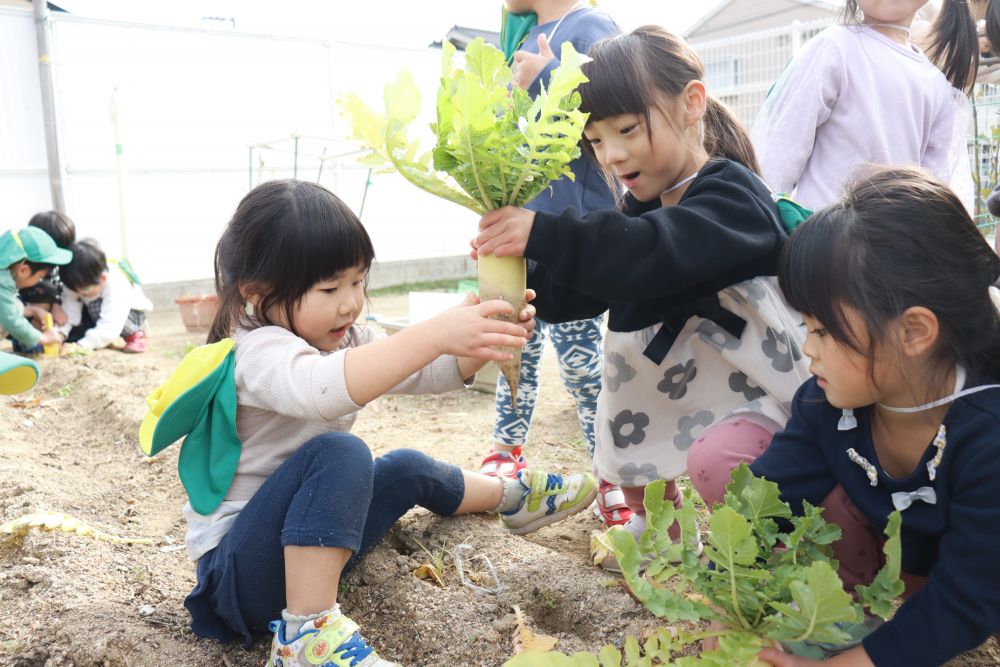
17, 374
32, 244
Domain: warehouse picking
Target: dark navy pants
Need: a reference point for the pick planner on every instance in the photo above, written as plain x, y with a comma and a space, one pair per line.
329, 493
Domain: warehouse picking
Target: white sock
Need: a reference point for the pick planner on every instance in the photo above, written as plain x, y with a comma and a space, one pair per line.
513, 495
294, 623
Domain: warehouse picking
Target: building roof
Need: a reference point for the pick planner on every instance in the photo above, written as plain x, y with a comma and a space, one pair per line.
827, 5
461, 36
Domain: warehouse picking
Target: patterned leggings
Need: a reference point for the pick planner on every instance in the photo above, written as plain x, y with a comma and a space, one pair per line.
578, 345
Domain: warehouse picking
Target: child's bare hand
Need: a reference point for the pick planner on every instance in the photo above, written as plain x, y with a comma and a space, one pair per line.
504, 232
468, 331
527, 316
49, 337
59, 316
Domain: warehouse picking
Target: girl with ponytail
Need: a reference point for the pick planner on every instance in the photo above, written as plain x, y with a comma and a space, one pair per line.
700, 345
862, 92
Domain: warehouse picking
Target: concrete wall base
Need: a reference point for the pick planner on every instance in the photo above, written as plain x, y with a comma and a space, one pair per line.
383, 274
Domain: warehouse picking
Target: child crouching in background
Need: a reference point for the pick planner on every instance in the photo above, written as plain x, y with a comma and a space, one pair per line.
102, 301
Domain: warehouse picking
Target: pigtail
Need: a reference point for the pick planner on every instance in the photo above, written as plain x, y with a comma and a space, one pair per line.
726, 137
230, 299
955, 45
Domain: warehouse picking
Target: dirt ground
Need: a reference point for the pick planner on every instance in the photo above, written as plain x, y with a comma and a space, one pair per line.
70, 446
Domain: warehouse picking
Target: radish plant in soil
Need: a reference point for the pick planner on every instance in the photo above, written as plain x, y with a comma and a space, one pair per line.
764, 586
495, 146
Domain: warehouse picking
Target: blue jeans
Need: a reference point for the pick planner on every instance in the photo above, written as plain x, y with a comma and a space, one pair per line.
329, 493
578, 345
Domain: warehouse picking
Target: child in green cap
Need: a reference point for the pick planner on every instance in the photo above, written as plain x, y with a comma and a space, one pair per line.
29, 255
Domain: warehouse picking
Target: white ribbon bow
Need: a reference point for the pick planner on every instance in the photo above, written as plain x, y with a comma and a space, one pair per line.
901, 500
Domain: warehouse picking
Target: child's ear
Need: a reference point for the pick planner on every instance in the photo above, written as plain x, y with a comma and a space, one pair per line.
694, 98
20, 271
918, 330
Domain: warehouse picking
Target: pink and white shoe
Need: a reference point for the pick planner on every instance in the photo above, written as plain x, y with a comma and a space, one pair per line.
500, 463
610, 505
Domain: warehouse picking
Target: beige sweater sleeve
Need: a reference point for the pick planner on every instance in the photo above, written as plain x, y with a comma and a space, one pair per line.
278, 371
440, 376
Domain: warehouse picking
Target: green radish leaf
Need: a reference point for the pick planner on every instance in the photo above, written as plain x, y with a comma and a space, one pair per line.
755, 497
494, 145
736, 649
820, 602
810, 537
610, 656
659, 600
733, 543
886, 586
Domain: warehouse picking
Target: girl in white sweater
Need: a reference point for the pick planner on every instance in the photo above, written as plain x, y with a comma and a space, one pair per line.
306, 500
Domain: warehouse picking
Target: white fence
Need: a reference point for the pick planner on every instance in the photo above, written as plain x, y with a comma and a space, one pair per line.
192, 101
740, 70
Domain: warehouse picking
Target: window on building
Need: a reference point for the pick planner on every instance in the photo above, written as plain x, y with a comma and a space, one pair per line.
722, 73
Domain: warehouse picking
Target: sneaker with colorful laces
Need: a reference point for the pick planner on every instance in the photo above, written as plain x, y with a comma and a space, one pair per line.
609, 506
328, 641
501, 463
547, 498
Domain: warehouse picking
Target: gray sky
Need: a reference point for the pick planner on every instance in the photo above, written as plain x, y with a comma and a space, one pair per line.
400, 22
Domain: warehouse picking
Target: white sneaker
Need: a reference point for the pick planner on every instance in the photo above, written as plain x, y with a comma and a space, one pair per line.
330, 641
547, 498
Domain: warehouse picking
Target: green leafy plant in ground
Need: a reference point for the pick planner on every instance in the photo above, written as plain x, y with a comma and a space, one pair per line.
772, 580
494, 146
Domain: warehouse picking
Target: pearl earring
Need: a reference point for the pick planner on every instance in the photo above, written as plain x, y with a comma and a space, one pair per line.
248, 309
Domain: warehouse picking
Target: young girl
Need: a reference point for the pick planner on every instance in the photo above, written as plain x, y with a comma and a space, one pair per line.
862, 92
700, 343
306, 500
904, 411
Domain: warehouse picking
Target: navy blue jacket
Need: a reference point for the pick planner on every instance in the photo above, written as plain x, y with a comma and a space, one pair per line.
955, 542
650, 263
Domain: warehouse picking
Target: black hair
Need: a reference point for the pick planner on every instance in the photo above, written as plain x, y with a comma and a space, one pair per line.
284, 237
628, 71
57, 225
993, 25
899, 238
38, 266
86, 267
954, 46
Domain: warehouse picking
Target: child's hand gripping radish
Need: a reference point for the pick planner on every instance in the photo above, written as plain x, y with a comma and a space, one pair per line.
504, 232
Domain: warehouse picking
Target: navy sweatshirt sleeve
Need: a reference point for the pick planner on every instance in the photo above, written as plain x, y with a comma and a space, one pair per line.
559, 303
724, 230
795, 460
959, 608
